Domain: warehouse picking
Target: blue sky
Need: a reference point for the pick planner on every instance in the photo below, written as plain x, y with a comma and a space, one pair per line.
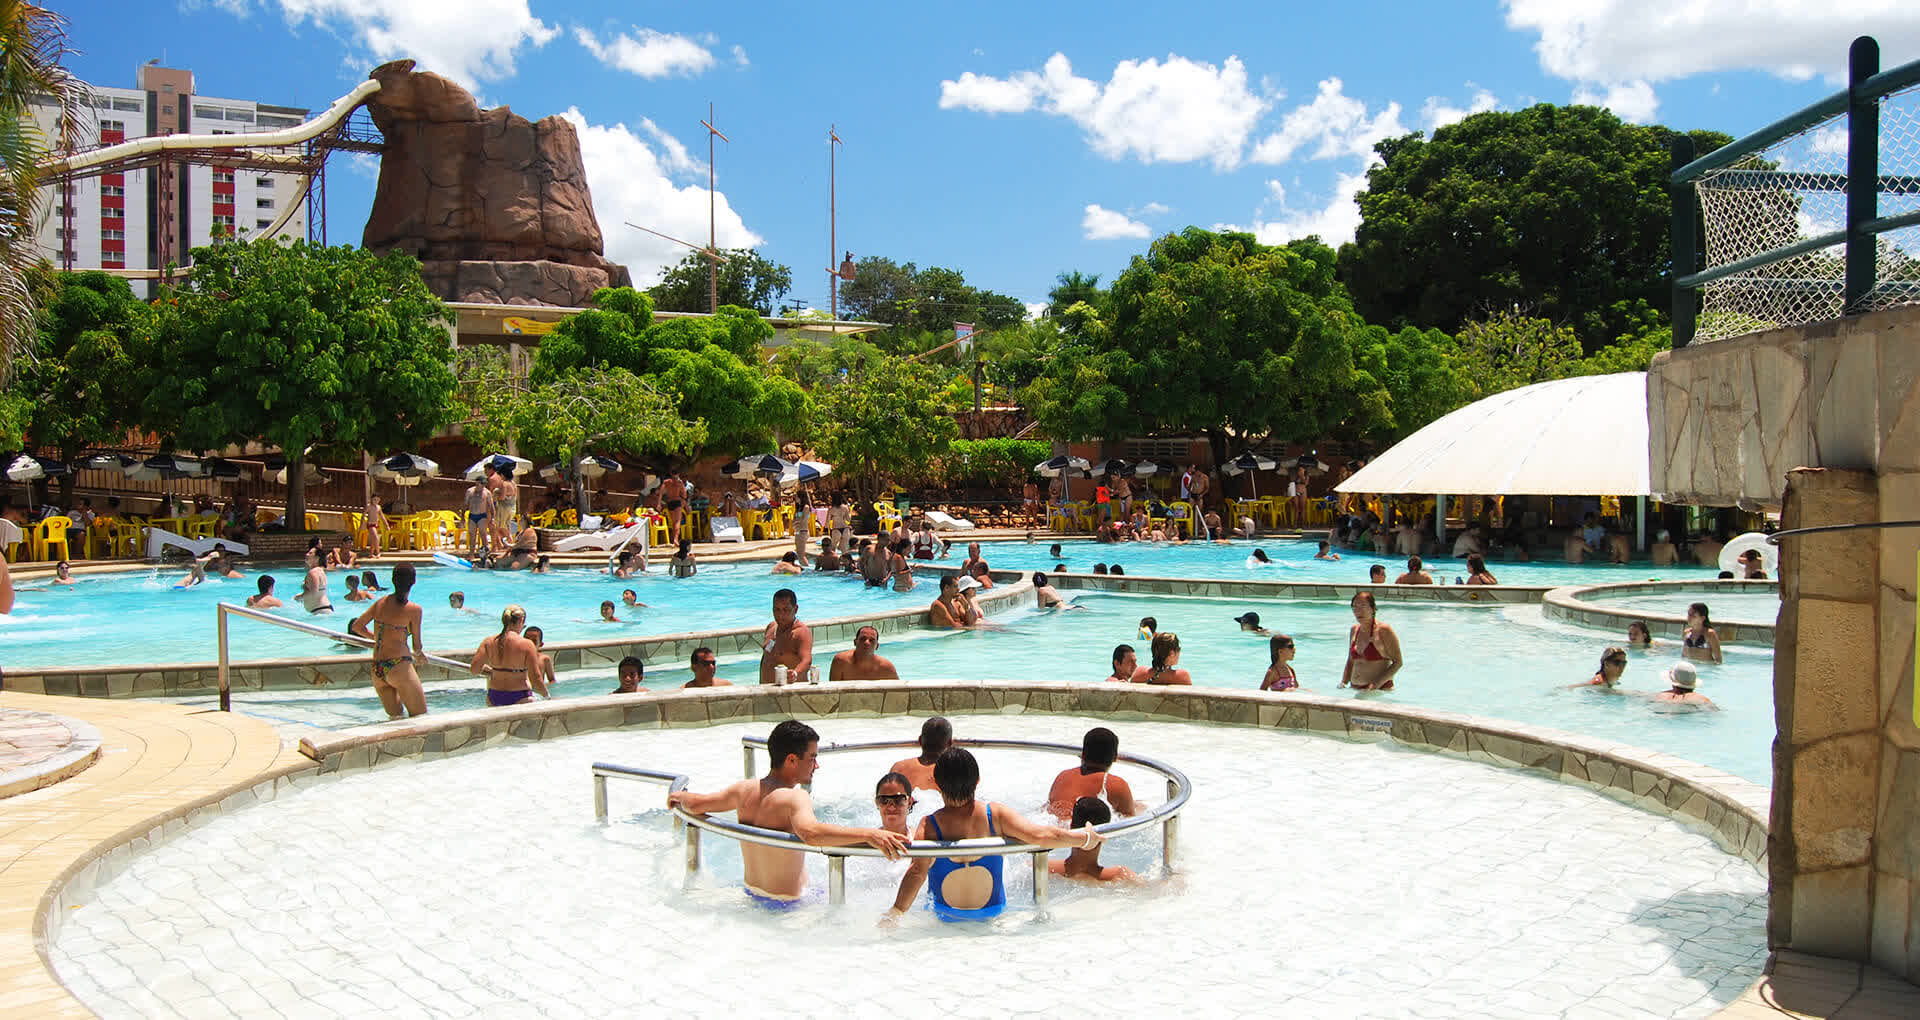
1010, 141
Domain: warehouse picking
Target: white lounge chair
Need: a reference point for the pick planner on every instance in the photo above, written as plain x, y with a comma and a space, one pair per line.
727, 529
600, 539
160, 538
943, 521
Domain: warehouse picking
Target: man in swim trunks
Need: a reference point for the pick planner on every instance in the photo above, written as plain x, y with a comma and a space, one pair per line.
861, 662
786, 641
704, 663
936, 735
1098, 749
632, 671
673, 496
479, 505
943, 614
777, 801
509, 662
972, 888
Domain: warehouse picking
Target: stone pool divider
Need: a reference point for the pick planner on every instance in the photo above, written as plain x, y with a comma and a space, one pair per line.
332, 672
1452, 594
1570, 604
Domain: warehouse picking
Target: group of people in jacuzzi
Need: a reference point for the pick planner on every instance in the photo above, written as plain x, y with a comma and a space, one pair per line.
962, 888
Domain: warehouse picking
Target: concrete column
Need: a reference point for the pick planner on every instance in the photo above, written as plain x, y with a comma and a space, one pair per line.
1827, 755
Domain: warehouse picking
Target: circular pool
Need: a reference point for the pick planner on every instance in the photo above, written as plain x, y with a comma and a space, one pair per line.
1338, 878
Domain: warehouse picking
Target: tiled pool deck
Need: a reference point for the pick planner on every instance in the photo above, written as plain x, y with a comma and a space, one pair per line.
164, 768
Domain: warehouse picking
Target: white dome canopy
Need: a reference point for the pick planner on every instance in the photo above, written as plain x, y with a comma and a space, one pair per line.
1585, 436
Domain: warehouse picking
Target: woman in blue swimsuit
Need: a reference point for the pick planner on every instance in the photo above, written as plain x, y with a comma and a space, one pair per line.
973, 888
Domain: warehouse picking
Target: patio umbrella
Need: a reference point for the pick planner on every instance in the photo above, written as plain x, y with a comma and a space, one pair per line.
1062, 464
403, 469
29, 468
594, 465
106, 462
221, 469
505, 463
308, 470
1308, 461
804, 471
1249, 462
555, 473
1112, 467
165, 465
750, 467
1145, 468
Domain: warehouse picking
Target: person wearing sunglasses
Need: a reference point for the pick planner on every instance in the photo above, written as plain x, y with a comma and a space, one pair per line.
704, 663
1280, 673
893, 795
1613, 662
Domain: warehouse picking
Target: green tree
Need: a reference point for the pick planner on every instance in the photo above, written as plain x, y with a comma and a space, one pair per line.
920, 306
1632, 353
1419, 371
75, 385
297, 344
1563, 209
743, 406
1511, 349
744, 279
884, 418
1071, 288
33, 46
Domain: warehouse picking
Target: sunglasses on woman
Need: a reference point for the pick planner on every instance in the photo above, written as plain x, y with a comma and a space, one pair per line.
892, 798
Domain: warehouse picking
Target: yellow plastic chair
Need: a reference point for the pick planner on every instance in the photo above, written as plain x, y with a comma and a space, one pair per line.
543, 519
98, 543
657, 531
356, 525
313, 522
128, 537
1184, 520
49, 534
570, 518
1059, 518
202, 526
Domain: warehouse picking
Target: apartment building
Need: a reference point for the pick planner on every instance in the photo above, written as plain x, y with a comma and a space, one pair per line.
141, 220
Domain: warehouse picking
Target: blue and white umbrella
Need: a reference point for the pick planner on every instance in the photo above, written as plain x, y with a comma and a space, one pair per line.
404, 469
594, 465
165, 465
1064, 464
29, 468
803, 471
1247, 463
765, 464
505, 463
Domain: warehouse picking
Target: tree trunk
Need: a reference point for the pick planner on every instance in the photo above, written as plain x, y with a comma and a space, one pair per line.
296, 492
579, 494
1217, 443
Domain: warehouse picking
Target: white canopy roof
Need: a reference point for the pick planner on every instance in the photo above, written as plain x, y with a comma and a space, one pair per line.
1570, 437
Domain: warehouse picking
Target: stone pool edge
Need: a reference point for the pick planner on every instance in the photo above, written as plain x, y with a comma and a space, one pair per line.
1569, 605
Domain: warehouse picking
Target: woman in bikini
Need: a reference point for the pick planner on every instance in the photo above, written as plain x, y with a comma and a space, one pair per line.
1166, 660
902, 574
396, 621
1700, 641
973, 888
1373, 649
510, 662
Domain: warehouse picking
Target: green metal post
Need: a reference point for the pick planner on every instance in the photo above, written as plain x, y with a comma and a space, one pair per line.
1686, 251
1863, 173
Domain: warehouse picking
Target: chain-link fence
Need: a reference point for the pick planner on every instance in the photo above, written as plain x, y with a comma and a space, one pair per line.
1782, 206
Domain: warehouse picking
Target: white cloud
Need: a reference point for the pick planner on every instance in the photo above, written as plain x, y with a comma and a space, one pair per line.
1632, 101
1609, 42
740, 55
1437, 112
1150, 209
1179, 111
678, 160
630, 181
1106, 225
649, 54
1334, 123
1334, 223
467, 40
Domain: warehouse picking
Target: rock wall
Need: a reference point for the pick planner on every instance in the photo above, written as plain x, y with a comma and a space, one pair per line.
495, 208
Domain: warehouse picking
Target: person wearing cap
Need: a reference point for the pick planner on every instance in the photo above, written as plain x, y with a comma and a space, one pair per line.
1753, 566
946, 613
1664, 553
1680, 693
1250, 622
862, 662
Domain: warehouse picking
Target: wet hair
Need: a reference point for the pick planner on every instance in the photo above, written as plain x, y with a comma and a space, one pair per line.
936, 735
1165, 643
947, 581
1274, 644
631, 660
606, 606
629, 591
266, 583
624, 556
402, 582
457, 599
979, 569
367, 578
1039, 579
893, 777
686, 546
353, 580
1054, 549
787, 593
535, 635
543, 561
1643, 628
1325, 545
1261, 555
1116, 569
1059, 568
1100, 568
956, 774
1099, 747
511, 615
1725, 575
1701, 608
1091, 811
1149, 624
1414, 564
692, 660
1476, 563
866, 627
1377, 570
789, 739
1120, 652
789, 558
1367, 596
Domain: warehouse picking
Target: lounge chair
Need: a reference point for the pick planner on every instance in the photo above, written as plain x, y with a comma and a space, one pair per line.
727, 529
612, 539
160, 538
943, 521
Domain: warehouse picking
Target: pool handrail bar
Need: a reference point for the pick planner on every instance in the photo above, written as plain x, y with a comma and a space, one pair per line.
1179, 791
222, 610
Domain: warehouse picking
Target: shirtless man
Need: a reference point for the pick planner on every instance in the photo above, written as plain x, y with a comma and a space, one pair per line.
479, 507
1125, 661
313, 591
354, 594
1199, 484
673, 496
704, 663
944, 614
1416, 573
1092, 777
786, 642
510, 662
936, 735
265, 598
861, 662
973, 557
774, 876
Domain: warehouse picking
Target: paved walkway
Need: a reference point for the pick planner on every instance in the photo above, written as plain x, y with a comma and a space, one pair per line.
38, 749
156, 761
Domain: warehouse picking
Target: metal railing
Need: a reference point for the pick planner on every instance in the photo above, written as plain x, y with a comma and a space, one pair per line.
223, 610
1862, 185
1179, 791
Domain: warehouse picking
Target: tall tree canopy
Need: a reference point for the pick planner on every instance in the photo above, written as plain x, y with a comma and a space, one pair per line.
297, 344
75, 386
1559, 209
744, 279
920, 306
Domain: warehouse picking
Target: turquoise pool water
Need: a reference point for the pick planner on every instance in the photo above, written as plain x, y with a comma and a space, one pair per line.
1508, 663
138, 617
1293, 561
1730, 607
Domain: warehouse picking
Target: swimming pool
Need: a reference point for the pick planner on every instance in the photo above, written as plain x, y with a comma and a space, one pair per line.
1761, 608
1506, 663
1293, 561
139, 617
479, 884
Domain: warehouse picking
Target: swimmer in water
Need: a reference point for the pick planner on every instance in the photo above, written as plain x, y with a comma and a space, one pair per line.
1613, 662
936, 735
62, 574
368, 582
1148, 628
787, 564
786, 641
354, 594
632, 671
1326, 551
1250, 622
1639, 635
631, 600
539, 639
1093, 777
264, 599
1087, 813
1053, 552
606, 613
705, 664
893, 796
457, 601
1259, 559
777, 877
1048, 597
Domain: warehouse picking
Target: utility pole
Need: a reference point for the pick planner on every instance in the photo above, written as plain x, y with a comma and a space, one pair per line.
833, 223
713, 268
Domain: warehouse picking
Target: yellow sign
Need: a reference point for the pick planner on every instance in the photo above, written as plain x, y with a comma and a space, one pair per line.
517, 326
